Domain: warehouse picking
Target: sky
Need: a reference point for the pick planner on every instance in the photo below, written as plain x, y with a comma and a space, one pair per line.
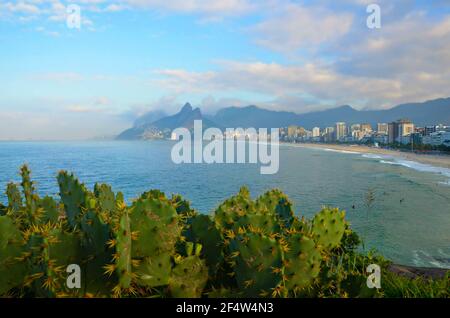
133, 56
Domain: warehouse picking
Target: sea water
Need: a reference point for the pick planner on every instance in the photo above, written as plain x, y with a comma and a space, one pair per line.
400, 208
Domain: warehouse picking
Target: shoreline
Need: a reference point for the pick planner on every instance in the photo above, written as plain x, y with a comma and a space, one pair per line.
432, 160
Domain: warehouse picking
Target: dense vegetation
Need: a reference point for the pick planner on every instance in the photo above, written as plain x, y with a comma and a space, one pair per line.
160, 247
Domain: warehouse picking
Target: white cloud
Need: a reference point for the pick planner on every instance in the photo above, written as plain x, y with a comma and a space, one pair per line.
321, 82
295, 26
22, 7
115, 8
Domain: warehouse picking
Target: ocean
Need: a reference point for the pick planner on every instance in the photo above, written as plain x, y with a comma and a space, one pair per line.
400, 208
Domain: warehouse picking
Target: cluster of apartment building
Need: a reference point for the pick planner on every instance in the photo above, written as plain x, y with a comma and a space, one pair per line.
402, 131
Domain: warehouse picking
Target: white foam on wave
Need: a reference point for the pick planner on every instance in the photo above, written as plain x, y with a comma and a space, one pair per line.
422, 258
445, 183
422, 167
341, 151
372, 156
390, 162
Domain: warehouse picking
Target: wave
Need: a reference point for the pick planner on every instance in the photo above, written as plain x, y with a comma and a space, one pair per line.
422, 167
341, 151
446, 183
372, 156
422, 258
392, 160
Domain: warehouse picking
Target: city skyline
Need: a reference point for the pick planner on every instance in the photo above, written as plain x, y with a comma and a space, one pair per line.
400, 132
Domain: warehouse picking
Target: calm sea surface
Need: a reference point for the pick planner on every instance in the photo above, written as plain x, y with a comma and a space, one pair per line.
408, 219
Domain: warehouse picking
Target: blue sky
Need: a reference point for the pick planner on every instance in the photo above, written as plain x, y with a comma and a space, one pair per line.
132, 56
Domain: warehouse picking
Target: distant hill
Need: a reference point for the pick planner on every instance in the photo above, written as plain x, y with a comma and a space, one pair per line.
149, 117
252, 116
184, 118
427, 113
422, 114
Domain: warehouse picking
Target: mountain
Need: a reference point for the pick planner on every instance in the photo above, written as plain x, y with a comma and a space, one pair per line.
422, 114
149, 117
252, 116
426, 113
184, 118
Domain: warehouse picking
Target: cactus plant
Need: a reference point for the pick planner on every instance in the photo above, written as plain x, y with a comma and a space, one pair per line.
328, 227
160, 246
12, 271
14, 198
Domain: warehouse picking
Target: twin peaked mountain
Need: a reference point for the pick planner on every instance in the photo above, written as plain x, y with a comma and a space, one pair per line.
157, 124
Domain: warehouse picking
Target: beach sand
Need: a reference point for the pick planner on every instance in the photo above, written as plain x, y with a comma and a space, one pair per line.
433, 160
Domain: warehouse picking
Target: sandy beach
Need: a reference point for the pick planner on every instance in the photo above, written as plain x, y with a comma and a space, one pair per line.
433, 160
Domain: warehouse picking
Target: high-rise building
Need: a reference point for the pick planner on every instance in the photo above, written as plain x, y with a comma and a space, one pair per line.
301, 132
382, 128
355, 127
405, 127
328, 134
340, 131
392, 132
316, 132
442, 127
438, 138
399, 130
366, 127
429, 130
292, 131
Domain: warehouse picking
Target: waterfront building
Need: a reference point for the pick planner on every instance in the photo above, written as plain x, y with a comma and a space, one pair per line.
340, 131
420, 130
316, 132
437, 138
400, 130
442, 127
328, 134
382, 128
380, 138
429, 130
366, 127
358, 135
292, 131
416, 138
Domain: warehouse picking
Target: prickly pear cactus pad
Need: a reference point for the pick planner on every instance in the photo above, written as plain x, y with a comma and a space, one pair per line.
266, 223
154, 271
234, 208
302, 262
257, 262
123, 255
49, 210
277, 203
14, 198
188, 278
201, 229
328, 227
12, 271
73, 196
156, 224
